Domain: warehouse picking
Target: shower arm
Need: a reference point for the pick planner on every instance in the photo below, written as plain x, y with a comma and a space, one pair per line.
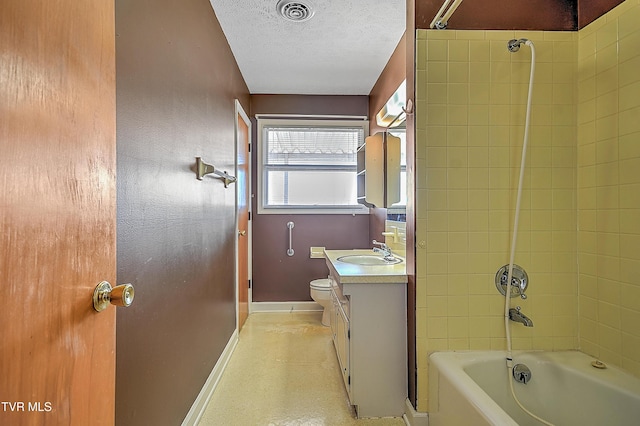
514, 45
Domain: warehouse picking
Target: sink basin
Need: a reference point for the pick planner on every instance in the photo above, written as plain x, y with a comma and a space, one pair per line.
367, 260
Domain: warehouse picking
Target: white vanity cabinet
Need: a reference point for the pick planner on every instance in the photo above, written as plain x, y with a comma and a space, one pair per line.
369, 329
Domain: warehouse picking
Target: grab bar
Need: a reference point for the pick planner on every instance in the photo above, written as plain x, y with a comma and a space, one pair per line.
290, 252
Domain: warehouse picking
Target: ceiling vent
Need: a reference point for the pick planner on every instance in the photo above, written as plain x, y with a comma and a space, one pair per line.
295, 11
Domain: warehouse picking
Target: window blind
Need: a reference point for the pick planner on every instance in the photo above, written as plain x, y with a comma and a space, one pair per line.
312, 146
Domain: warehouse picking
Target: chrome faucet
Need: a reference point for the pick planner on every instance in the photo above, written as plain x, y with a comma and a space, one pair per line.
517, 316
384, 250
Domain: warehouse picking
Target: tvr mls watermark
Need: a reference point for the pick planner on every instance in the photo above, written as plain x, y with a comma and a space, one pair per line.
26, 406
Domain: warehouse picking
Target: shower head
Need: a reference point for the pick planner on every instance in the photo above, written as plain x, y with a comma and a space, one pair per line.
514, 45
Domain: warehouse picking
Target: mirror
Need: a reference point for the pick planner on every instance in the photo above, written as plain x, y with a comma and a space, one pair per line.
392, 116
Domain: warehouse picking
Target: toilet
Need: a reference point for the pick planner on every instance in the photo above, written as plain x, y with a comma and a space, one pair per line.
321, 294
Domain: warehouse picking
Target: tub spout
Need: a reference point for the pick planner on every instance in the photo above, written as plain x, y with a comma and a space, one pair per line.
517, 316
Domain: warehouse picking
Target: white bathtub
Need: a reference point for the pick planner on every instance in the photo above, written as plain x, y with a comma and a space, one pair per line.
471, 388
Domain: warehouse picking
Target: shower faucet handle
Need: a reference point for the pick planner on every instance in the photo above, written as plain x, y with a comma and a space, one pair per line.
522, 295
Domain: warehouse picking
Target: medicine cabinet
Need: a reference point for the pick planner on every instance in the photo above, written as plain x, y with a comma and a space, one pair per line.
378, 170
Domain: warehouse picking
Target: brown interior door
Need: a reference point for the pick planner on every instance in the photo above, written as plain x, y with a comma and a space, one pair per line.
243, 132
57, 211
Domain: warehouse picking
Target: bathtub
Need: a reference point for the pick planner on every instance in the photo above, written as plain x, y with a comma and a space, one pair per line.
471, 388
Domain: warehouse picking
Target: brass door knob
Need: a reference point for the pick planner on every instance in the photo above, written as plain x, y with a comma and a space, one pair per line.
104, 294
242, 233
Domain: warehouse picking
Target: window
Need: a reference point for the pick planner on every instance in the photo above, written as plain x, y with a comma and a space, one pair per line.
309, 166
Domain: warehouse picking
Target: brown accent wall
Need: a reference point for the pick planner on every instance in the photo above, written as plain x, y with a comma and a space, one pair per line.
309, 105
176, 84
392, 76
377, 218
550, 15
589, 11
503, 15
276, 276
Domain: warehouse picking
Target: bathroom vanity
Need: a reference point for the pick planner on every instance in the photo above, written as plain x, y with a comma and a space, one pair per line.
369, 329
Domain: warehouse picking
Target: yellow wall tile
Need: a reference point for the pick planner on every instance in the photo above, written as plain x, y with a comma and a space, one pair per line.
628, 46
628, 70
437, 327
436, 50
436, 307
458, 50
607, 35
630, 96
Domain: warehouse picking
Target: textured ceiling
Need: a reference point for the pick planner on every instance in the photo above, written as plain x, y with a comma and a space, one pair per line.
341, 50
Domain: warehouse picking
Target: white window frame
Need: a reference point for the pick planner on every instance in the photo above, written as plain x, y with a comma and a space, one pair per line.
311, 122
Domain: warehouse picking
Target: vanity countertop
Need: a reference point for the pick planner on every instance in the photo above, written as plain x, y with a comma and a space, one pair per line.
364, 274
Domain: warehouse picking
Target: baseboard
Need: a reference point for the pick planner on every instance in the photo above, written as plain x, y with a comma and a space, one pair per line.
412, 417
200, 404
285, 307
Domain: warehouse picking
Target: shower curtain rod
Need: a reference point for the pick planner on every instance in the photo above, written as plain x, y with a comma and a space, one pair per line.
442, 17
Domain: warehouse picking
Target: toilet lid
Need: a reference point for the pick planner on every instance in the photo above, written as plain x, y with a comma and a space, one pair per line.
323, 284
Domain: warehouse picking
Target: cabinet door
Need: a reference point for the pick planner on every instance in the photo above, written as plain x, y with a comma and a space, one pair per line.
342, 341
378, 170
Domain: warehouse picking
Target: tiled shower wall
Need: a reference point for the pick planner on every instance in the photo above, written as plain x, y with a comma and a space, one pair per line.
582, 173
609, 186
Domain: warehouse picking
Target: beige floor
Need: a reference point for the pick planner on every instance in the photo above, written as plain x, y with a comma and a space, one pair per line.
284, 371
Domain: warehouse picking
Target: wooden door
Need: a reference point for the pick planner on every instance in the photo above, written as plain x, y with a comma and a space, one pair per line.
243, 132
57, 211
